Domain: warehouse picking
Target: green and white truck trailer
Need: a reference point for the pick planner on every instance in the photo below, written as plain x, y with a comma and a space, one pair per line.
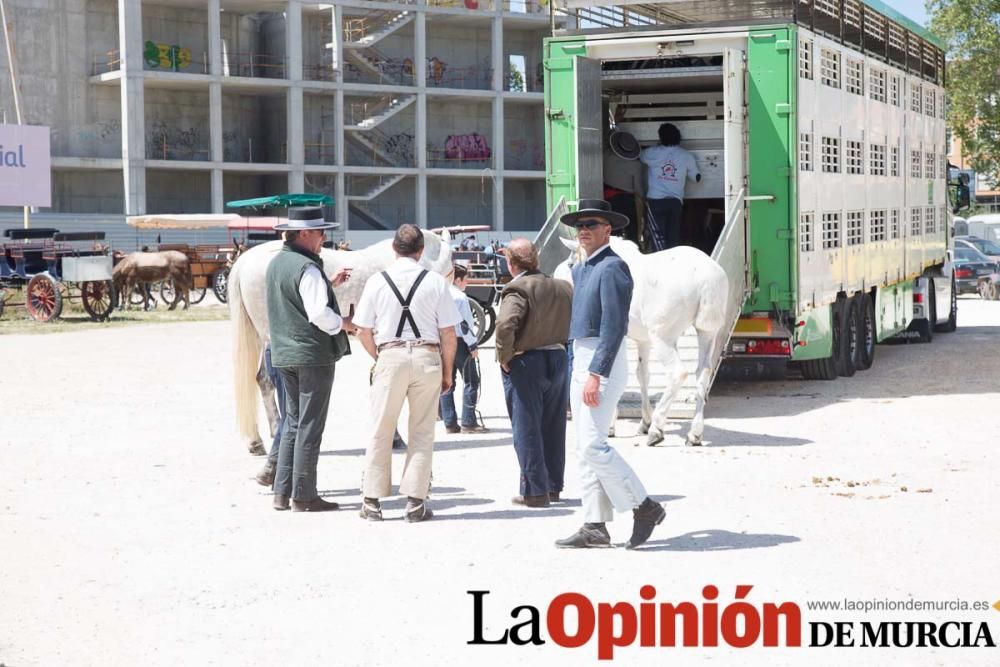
819, 128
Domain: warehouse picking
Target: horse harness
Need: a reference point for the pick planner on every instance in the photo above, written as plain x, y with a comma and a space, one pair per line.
407, 317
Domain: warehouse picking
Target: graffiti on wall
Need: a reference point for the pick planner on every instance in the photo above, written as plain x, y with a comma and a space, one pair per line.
166, 56
172, 143
467, 147
400, 148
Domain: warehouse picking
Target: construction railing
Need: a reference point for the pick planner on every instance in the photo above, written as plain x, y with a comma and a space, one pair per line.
162, 148
374, 148
320, 72
526, 7
475, 77
358, 28
262, 65
357, 112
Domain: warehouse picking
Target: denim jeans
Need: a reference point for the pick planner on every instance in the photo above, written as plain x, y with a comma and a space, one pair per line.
470, 390
279, 397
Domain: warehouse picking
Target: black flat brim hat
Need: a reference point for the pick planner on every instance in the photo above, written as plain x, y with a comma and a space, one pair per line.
624, 145
305, 218
595, 208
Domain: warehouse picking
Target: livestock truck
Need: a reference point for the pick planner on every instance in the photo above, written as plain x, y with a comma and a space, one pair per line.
819, 130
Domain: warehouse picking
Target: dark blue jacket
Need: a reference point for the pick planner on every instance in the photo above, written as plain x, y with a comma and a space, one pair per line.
602, 294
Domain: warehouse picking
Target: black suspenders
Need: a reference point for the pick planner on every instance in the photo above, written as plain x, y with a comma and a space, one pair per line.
405, 303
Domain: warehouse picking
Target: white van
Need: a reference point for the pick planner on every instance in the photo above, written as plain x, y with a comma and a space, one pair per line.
986, 226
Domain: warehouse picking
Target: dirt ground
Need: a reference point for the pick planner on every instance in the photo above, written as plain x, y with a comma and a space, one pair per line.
132, 532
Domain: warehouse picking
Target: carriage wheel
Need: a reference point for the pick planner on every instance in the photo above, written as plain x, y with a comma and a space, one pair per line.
220, 284
197, 294
491, 324
138, 296
44, 300
478, 320
168, 293
99, 299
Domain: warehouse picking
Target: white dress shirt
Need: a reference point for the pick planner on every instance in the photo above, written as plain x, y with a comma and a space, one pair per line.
432, 307
465, 312
312, 290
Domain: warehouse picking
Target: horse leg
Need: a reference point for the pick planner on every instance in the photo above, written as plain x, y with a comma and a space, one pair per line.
667, 351
267, 393
707, 341
642, 373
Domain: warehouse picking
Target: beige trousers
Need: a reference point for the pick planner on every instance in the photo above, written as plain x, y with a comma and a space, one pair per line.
414, 375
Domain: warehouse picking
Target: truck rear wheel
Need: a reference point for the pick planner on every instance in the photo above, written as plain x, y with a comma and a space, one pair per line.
925, 328
866, 331
826, 369
849, 338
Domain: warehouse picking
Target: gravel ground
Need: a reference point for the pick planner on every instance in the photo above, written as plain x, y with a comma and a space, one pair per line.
133, 533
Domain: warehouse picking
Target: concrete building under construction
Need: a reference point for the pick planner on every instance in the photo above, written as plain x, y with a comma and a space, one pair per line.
425, 111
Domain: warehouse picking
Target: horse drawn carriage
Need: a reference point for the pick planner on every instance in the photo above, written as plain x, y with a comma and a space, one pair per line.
48, 268
209, 262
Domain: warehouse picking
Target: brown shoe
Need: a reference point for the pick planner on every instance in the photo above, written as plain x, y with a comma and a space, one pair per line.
453, 429
265, 476
280, 502
315, 505
475, 429
553, 496
531, 501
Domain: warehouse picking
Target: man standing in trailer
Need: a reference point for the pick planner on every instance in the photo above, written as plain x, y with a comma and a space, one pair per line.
602, 295
669, 167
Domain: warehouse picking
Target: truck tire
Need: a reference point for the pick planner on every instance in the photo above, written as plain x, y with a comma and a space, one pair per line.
826, 369
850, 338
952, 322
867, 332
925, 328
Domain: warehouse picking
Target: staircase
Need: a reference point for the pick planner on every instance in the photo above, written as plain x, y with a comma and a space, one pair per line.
368, 215
366, 116
372, 28
377, 185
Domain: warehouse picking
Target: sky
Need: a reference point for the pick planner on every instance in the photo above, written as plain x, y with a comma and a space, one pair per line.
913, 9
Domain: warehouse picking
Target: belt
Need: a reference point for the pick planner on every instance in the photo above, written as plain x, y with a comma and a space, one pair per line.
408, 344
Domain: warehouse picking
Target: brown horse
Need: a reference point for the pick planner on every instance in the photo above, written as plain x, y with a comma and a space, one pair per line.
144, 268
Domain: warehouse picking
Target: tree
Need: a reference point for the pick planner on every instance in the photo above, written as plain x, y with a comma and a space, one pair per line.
972, 30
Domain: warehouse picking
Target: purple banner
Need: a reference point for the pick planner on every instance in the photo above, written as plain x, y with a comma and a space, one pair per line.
25, 166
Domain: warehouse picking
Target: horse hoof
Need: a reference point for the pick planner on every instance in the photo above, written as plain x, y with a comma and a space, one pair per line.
655, 438
257, 448
643, 428
693, 441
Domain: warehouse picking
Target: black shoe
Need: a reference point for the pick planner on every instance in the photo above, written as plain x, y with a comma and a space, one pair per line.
531, 501
371, 509
554, 496
590, 536
317, 504
475, 428
417, 510
265, 476
280, 502
452, 428
646, 516
398, 443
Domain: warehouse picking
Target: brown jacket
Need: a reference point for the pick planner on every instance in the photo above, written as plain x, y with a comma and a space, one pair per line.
534, 312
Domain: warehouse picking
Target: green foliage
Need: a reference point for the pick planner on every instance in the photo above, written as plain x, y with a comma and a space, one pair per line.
972, 31
515, 80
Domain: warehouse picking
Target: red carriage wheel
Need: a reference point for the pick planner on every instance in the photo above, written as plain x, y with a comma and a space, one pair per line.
44, 300
98, 299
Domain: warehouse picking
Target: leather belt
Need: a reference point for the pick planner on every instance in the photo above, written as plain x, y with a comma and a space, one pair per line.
408, 344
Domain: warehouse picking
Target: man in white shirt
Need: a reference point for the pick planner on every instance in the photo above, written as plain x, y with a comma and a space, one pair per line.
465, 362
307, 339
406, 319
669, 167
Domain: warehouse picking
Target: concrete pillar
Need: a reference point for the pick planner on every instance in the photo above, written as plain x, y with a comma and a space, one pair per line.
337, 44
133, 106
214, 38
420, 135
218, 194
294, 108
499, 79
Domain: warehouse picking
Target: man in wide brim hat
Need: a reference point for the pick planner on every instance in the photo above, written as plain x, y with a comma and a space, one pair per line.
305, 218
594, 211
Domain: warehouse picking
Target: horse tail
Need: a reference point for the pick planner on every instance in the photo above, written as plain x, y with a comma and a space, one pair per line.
246, 359
443, 263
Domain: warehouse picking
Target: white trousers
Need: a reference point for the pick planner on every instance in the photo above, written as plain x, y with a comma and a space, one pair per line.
608, 482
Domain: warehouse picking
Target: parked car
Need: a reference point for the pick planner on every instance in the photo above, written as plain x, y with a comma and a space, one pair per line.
989, 248
969, 265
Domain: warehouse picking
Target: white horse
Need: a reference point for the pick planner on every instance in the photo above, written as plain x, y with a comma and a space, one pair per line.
673, 290
248, 314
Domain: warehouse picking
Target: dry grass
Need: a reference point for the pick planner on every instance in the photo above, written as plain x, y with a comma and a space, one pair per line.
15, 319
